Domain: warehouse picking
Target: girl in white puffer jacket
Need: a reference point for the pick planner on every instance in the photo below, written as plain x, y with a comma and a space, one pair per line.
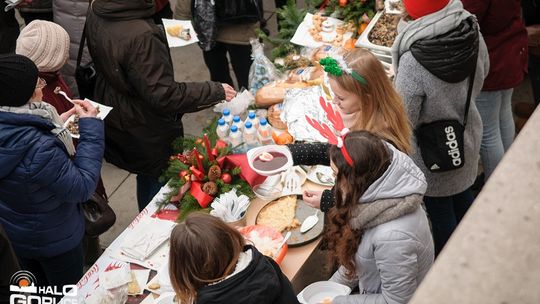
378, 231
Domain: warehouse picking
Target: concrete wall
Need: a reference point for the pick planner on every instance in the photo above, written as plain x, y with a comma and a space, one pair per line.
494, 255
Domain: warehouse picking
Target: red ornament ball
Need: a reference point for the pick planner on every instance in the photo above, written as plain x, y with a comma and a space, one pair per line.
226, 177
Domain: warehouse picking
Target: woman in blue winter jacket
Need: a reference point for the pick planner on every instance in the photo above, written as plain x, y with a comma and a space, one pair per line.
43, 178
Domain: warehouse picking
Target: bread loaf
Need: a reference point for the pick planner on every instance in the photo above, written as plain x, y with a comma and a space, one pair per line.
274, 92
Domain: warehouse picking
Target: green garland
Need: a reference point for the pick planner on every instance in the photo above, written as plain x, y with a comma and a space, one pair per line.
289, 18
352, 11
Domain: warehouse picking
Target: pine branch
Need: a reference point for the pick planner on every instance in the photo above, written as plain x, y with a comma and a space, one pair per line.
188, 204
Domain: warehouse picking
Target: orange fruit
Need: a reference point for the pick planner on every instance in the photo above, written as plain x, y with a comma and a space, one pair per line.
350, 44
362, 28
283, 138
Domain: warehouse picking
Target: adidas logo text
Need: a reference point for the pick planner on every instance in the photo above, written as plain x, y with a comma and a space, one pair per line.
453, 146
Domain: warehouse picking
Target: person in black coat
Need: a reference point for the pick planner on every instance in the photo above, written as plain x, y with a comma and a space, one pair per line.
9, 30
8, 264
137, 80
209, 262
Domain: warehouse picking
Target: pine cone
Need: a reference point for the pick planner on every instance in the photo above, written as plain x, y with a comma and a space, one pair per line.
214, 173
210, 188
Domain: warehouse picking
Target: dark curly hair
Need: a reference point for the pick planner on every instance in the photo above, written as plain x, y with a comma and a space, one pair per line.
371, 158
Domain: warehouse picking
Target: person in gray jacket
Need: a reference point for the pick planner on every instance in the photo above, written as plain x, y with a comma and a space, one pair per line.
378, 231
434, 57
71, 15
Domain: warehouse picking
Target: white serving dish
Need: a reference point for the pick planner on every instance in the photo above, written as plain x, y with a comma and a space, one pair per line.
314, 293
253, 153
382, 52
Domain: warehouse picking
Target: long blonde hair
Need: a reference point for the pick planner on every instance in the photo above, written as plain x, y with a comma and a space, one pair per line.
382, 110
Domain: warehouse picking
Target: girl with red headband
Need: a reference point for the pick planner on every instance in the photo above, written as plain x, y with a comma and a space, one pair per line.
378, 232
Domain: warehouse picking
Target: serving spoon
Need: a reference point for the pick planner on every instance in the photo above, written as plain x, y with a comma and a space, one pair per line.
309, 222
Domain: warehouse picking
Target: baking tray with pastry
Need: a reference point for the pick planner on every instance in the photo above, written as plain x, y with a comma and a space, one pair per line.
287, 214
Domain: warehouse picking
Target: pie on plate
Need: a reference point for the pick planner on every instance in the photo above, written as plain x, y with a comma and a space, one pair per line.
280, 214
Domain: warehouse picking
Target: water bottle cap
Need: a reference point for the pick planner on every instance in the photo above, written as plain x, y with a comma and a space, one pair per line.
236, 118
252, 115
263, 121
221, 122
248, 125
234, 129
226, 112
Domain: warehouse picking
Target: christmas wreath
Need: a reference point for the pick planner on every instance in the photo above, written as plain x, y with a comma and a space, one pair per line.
199, 171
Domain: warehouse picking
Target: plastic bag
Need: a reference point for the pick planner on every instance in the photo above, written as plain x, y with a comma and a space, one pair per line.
262, 70
113, 285
238, 105
101, 295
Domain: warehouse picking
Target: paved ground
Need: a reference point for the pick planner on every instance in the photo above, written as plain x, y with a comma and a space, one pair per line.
189, 66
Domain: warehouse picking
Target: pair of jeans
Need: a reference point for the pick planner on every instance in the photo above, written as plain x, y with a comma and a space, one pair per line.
147, 187
445, 213
63, 269
218, 64
495, 108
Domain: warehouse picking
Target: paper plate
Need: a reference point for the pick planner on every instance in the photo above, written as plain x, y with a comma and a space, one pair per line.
161, 281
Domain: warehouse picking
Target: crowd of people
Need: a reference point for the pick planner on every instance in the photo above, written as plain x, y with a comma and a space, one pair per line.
397, 198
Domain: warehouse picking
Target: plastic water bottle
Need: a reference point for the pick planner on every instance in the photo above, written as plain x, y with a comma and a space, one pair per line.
250, 136
252, 117
238, 122
227, 116
235, 137
222, 129
264, 133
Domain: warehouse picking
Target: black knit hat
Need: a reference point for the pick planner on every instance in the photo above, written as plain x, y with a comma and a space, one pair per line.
18, 79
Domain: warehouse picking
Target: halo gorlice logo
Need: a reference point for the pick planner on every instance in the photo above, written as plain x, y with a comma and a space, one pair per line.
24, 291
23, 281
